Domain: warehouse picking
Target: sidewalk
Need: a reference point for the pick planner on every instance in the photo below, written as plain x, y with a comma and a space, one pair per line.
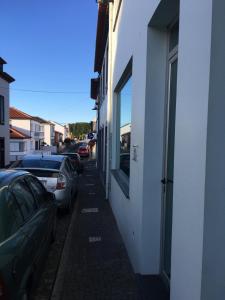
94, 263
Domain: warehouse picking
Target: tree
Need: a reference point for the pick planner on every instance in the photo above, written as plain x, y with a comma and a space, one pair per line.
79, 129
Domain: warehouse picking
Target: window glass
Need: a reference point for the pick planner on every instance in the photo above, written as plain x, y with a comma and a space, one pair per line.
37, 163
37, 189
24, 198
68, 167
11, 217
125, 127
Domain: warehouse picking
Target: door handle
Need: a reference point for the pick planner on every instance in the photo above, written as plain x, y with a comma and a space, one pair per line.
166, 181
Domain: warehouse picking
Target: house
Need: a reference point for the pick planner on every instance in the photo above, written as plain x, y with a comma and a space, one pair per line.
49, 131
58, 137
165, 77
20, 144
5, 80
28, 125
62, 129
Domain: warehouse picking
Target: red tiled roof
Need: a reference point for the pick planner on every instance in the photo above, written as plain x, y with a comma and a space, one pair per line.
16, 134
15, 113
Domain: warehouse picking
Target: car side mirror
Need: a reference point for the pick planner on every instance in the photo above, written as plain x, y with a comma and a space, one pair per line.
50, 197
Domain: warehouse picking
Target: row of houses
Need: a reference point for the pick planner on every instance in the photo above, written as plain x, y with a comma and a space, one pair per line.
159, 97
21, 133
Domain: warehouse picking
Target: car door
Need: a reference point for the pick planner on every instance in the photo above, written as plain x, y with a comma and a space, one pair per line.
14, 245
66, 170
73, 175
45, 217
29, 210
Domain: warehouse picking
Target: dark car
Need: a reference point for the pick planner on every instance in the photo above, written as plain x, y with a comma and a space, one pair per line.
76, 161
27, 226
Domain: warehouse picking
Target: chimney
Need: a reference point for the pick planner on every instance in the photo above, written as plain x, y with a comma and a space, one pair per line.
2, 62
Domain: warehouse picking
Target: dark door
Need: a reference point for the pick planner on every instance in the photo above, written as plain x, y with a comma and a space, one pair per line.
168, 168
2, 152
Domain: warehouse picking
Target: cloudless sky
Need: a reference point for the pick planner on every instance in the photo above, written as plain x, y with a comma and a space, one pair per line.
50, 45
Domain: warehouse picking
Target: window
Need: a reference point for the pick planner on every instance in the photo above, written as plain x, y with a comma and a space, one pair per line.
37, 189
37, 163
124, 99
17, 147
11, 217
2, 110
24, 198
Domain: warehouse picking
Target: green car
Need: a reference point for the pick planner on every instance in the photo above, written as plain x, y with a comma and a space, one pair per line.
27, 227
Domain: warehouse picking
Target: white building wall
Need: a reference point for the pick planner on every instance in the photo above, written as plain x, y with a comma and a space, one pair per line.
47, 134
62, 129
4, 129
14, 155
22, 125
198, 195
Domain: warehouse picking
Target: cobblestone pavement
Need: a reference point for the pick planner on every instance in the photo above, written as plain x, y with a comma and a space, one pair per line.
94, 263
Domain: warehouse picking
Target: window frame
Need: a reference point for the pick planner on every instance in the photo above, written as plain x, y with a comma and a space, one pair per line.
121, 177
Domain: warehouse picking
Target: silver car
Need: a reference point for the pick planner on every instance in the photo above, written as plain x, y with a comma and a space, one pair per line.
57, 174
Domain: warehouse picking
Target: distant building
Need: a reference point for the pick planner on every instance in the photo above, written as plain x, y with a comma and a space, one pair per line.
62, 129
28, 125
48, 129
19, 144
5, 80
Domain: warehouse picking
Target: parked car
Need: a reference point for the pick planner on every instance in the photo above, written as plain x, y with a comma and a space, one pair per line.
76, 161
57, 174
84, 150
27, 227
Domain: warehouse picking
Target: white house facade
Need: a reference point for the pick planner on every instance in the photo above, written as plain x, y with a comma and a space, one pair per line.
20, 144
165, 80
28, 125
63, 130
48, 129
5, 81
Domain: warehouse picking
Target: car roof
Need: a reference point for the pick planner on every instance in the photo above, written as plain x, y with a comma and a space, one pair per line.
6, 176
69, 153
58, 158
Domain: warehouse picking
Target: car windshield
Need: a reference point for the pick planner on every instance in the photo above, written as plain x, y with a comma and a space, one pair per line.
37, 163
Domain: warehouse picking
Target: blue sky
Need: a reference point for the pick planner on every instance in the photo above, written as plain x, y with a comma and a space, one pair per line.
49, 45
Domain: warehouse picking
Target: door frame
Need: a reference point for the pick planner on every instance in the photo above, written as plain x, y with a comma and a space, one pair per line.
172, 57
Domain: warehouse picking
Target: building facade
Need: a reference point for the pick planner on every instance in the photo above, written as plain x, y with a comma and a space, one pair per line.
62, 131
28, 125
5, 80
165, 173
20, 144
48, 130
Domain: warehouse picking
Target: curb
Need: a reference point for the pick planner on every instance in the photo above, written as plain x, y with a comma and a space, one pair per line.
59, 282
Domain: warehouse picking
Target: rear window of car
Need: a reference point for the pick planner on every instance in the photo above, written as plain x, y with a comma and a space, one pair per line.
44, 173
37, 163
71, 155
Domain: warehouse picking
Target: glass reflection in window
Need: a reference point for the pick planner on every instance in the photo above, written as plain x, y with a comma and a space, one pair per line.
125, 127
